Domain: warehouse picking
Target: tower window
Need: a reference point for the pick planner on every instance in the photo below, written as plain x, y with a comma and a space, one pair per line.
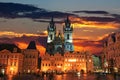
51, 37
68, 36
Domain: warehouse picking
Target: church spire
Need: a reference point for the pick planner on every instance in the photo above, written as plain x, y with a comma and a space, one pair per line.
67, 18
68, 30
52, 24
67, 22
51, 31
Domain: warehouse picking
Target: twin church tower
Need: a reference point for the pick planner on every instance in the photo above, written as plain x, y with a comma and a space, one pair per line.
56, 42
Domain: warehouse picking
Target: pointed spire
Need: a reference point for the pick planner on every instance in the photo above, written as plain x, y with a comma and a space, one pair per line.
67, 18
52, 22
67, 22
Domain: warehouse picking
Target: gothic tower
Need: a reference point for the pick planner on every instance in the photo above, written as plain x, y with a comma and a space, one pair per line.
51, 31
68, 30
51, 37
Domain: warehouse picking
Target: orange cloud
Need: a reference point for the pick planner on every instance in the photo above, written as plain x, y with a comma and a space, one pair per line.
12, 34
78, 48
92, 49
82, 23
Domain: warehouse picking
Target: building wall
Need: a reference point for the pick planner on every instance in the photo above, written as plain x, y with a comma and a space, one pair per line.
50, 62
111, 51
70, 62
12, 62
30, 62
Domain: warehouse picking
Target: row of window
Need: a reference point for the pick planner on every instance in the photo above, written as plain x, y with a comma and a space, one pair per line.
67, 59
62, 64
113, 48
75, 65
75, 56
111, 55
8, 56
30, 56
51, 64
54, 59
30, 63
3, 61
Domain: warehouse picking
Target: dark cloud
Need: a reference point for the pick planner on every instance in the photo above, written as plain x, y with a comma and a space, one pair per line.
91, 12
6, 40
42, 41
14, 10
117, 16
47, 15
46, 21
101, 19
95, 47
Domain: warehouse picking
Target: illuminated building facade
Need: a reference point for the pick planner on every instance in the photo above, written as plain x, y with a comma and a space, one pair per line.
25, 61
111, 53
56, 42
69, 62
11, 63
31, 54
30, 64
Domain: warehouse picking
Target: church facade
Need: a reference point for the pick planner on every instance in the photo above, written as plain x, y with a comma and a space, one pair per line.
58, 43
60, 55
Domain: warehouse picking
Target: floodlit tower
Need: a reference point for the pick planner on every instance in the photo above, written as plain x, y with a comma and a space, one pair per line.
51, 31
68, 30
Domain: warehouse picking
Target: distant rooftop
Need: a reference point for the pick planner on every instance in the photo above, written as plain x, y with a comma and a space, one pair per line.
9, 47
32, 45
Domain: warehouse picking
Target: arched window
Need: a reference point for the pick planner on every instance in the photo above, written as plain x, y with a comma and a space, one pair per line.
68, 36
51, 37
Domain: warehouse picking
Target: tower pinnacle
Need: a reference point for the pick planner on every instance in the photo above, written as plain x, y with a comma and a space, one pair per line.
67, 22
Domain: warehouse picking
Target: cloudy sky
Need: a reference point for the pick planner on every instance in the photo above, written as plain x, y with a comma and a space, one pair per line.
69, 5
92, 21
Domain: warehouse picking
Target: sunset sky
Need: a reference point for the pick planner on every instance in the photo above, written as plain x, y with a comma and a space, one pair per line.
72, 5
92, 21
